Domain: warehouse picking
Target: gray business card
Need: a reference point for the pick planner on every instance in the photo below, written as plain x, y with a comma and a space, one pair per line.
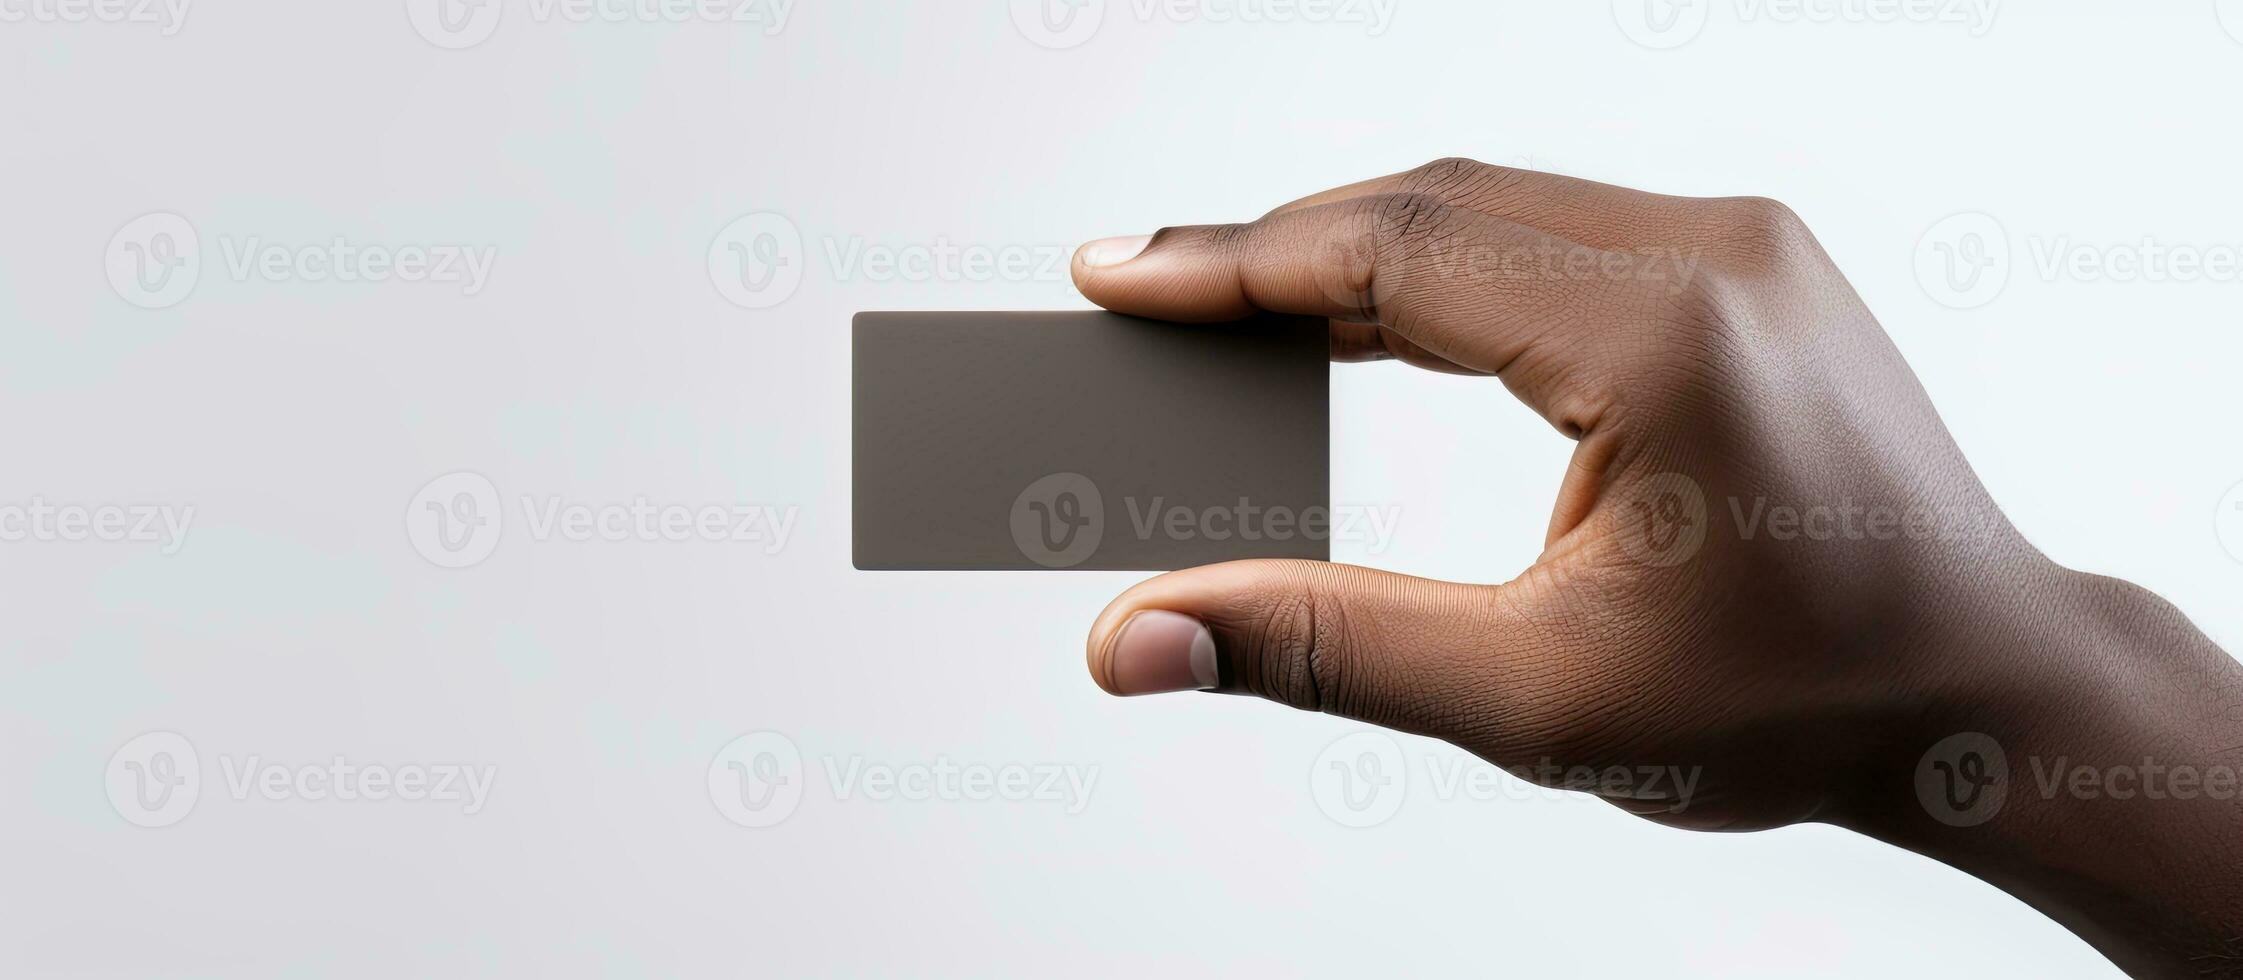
1088, 440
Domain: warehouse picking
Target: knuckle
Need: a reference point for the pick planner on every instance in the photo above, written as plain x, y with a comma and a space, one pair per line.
1757, 234
1229, 235
1703, 319
1299, 659
1408, 220
1446, 173
1703, 301
1669, 337
1202, 238
1764, 216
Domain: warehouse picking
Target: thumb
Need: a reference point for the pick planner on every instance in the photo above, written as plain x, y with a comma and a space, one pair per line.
1371, 645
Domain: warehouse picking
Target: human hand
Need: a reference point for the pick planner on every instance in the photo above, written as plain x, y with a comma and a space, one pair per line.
1768, 561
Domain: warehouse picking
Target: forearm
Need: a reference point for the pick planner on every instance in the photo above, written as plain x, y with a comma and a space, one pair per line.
2100, 779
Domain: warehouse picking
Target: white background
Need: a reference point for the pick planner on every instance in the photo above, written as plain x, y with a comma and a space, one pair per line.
298, 622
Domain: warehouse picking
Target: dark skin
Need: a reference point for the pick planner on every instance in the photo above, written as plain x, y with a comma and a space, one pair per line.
1717, 371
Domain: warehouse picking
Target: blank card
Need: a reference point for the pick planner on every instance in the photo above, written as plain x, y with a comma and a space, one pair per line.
1088, 440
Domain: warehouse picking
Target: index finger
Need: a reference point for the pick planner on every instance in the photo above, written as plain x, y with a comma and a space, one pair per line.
1472, 288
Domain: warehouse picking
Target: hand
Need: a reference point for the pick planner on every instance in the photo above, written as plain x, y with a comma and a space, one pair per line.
1768, 562
1701, 352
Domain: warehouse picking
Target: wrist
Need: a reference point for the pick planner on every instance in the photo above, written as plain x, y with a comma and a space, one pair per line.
2082, 757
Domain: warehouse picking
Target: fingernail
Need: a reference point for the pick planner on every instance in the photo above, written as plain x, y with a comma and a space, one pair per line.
1159, 652
1114, 251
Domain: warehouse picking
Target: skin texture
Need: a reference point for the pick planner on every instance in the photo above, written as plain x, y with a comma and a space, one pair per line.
1713, 366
